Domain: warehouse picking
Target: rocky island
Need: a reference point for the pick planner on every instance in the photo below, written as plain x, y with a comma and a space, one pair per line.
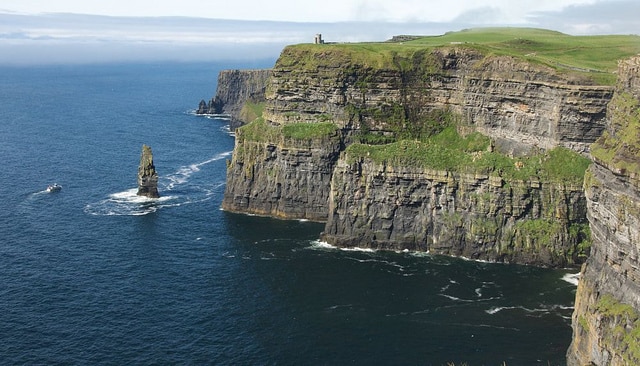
476, 144
147, 176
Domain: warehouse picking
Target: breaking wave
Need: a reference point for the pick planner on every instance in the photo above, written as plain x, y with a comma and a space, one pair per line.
175, 189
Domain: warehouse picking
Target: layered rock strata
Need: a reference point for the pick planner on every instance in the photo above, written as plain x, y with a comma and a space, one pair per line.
477, 216
147, 175
606, 320
523, 106
504, 97
276, 175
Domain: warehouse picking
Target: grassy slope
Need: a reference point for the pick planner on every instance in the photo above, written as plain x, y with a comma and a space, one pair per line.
594, 56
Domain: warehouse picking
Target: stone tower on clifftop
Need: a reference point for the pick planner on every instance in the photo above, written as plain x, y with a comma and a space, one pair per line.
147, 176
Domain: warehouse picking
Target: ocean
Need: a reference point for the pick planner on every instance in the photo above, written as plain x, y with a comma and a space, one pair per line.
94, 274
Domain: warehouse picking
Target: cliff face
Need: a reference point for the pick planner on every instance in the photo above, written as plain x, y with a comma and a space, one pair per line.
477, 216
235, 88
606, 320
504, 97
524, 107
275, 173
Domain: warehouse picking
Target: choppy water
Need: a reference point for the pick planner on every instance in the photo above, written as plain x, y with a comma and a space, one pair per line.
94, 274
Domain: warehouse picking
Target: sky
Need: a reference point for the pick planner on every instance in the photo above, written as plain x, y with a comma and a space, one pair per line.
505, 11
40, 31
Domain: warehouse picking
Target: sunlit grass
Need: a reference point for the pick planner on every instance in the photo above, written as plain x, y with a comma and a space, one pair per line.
595, 57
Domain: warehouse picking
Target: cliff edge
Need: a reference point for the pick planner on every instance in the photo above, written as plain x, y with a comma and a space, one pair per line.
606, 320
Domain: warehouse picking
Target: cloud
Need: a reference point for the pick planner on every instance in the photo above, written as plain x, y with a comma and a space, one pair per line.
610, 17
91, 38
84, 38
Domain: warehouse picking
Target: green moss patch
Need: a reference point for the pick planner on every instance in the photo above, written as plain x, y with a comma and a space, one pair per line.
623, 333
261, 131
251, 110
452, 152
305, 131
620, 147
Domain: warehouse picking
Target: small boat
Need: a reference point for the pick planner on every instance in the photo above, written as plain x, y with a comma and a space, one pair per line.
55, 187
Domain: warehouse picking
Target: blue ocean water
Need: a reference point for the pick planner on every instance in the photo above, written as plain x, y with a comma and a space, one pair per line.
94, 275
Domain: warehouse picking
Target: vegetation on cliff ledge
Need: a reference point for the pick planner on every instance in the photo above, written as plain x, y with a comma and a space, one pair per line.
472, 154
624, 321
592, 56
619, 147
261, 131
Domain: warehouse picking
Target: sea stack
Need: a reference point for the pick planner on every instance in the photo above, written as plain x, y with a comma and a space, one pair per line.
147, 176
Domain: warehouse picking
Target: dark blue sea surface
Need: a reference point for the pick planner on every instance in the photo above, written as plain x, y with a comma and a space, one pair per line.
95, 275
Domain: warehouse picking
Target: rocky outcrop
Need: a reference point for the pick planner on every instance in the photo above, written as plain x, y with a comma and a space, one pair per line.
147, 176
606, 320
235, 88
478, 216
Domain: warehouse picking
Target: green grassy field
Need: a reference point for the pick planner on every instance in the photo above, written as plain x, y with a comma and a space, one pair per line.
594, 56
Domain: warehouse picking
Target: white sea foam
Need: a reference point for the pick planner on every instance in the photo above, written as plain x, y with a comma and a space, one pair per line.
572, 278
494, 310
357, 249
317, 244
456, 298
128, 203
477, 260
542, 310
183, 173
420, 254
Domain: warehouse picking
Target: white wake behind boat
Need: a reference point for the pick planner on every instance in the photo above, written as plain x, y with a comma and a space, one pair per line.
55, 187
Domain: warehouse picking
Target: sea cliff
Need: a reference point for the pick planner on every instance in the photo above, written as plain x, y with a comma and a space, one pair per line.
236, 91
606, 320
496, 202
472, 214
282, 171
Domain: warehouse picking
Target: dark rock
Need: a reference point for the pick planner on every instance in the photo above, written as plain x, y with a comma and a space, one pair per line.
147, 176
606, 320
235, 88
202, 108
477, 216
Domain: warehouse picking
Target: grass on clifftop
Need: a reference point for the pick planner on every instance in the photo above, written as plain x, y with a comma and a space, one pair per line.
592, 56
452, 152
